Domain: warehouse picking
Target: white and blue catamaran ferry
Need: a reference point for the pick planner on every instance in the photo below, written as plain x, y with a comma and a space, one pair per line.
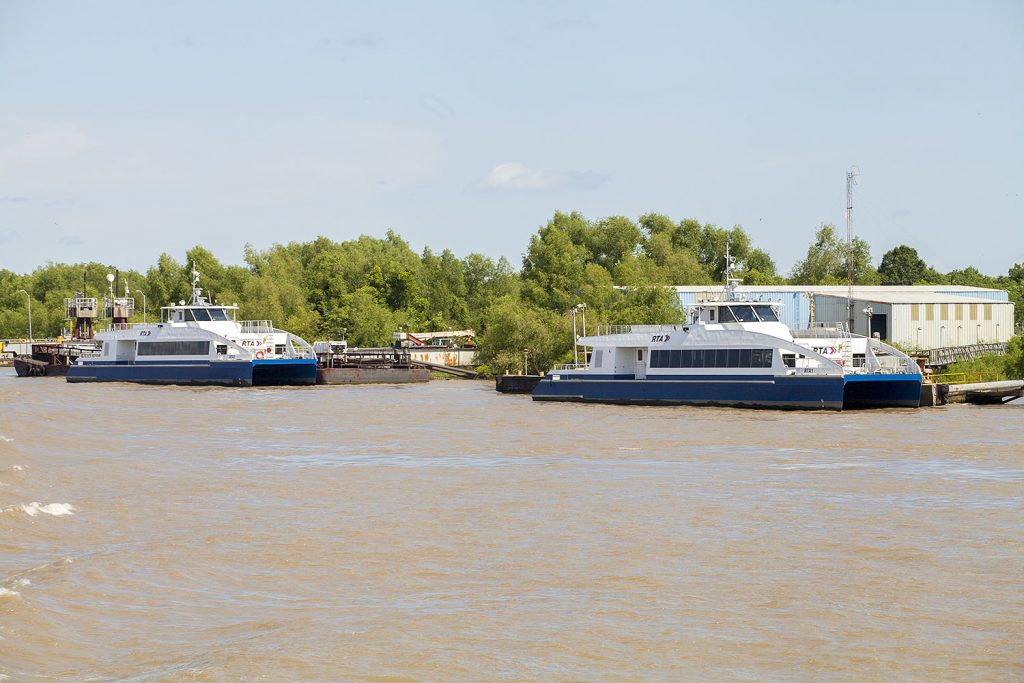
736, 352
199, 343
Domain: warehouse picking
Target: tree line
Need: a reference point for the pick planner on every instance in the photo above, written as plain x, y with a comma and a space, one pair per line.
367, 288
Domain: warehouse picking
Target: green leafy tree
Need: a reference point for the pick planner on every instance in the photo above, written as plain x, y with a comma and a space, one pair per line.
512, 326
826, 261
554, 267
902, 266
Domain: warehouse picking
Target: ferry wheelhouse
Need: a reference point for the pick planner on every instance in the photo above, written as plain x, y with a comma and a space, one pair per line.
736, 353
199, 343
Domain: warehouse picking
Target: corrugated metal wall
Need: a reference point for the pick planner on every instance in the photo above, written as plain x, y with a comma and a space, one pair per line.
931, 326
832, 309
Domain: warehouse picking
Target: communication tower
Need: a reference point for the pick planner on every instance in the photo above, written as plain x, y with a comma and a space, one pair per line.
852, 178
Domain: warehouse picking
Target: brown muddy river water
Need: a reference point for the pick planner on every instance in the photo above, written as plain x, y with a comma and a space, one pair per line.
446, 532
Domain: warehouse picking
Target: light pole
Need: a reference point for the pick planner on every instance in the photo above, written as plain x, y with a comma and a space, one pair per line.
28, 297
137, 291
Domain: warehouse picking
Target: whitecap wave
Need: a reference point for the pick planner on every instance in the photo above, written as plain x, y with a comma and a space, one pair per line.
55, 509
8, 593
5, 439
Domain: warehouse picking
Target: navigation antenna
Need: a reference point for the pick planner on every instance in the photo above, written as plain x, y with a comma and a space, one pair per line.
196, 289
852, 178
730, 281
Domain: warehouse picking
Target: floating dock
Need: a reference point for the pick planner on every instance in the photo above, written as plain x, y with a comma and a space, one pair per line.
984, 393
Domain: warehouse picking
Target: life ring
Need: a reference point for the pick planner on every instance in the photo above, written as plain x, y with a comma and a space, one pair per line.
259, 355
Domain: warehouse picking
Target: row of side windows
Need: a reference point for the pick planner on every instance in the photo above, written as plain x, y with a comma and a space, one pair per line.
711, 358
174, 348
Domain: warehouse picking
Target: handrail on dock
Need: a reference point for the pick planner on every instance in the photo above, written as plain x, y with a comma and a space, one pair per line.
964, 377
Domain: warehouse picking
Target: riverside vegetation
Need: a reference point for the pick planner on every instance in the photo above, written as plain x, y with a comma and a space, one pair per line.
370, 287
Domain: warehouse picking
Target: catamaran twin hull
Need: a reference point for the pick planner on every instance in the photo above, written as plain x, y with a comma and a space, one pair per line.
822, 392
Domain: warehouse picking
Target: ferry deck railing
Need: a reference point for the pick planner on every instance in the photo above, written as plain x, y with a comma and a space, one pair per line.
632, 329
257, 326
112, 327
571, 366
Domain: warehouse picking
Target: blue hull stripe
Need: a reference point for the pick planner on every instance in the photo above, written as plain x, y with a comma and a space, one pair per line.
830, 392
227, 374
270, 372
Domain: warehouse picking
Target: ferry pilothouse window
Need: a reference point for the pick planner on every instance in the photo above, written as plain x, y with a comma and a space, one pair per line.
766, 314
725, 315
744, 314
219, 314
201, 315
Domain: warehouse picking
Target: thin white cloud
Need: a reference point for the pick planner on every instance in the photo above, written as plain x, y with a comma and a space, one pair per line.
513, 175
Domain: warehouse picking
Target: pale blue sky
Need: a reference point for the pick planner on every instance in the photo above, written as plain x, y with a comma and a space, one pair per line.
132, 128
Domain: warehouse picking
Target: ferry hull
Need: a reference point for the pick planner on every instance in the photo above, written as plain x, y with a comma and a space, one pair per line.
882, 391
784, 392
232, 374
284, 372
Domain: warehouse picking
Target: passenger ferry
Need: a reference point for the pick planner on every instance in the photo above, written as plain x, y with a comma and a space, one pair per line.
736, 352
199, 343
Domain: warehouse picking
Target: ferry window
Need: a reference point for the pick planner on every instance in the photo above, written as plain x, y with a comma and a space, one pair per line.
201, 315
734, 358
766, 313
711, 314
279, 349
745, 314
218, 314
656, 359
789, 360
174, 348
686, 358
721, 358
639, 354
222, 349
676, 360
698, 358
725, 315
745, 358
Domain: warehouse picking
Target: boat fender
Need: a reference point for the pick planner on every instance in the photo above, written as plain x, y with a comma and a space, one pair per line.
259, 355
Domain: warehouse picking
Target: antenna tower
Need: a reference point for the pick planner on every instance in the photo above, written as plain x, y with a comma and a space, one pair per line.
852, 178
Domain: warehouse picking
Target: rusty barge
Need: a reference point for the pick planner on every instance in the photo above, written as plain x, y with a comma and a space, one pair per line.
337, 364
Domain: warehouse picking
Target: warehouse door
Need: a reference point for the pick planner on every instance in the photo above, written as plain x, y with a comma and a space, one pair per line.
880, 324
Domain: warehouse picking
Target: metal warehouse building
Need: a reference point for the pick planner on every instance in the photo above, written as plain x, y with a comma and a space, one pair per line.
921, 317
